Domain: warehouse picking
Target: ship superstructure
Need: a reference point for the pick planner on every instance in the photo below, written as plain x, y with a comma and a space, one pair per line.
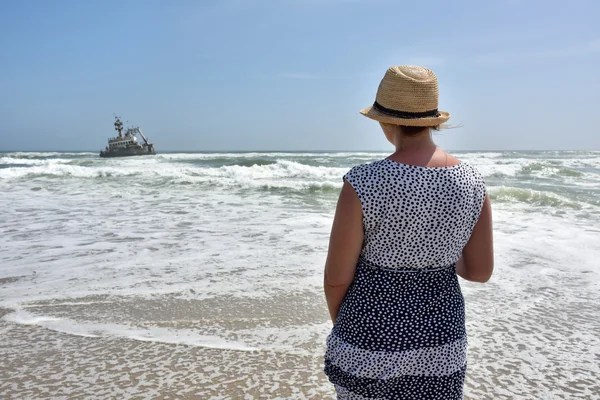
127, 144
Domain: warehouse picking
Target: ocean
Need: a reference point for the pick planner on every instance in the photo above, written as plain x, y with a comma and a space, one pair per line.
199, 275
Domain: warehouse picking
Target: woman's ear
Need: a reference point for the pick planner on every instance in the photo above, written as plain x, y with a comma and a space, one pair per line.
389, 133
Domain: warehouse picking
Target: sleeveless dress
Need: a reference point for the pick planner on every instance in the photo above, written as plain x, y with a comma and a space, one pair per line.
400, 332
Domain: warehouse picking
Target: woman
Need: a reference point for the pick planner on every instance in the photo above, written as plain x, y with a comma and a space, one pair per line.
404, 227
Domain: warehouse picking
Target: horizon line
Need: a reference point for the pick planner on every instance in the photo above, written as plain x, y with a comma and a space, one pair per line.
295, 151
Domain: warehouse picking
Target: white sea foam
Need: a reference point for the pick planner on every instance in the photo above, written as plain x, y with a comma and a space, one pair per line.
31, 161
45, 154
279, 172
148, 334
343, 155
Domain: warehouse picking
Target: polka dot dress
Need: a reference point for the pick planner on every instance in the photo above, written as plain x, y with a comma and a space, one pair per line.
400, 332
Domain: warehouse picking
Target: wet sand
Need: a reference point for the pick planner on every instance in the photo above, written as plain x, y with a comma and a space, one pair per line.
42, 364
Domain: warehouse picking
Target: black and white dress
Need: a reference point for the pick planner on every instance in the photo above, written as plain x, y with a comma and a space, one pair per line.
400, 332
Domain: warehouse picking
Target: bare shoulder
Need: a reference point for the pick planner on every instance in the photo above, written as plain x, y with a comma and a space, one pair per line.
443, 158
452, 160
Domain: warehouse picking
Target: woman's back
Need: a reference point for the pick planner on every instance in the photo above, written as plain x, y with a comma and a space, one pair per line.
416, 217
404, 228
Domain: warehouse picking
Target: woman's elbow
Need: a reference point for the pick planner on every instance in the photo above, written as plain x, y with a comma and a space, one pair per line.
337, 280
481, 274
480, 278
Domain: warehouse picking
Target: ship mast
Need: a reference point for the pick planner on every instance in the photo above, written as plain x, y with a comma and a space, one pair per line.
119, 126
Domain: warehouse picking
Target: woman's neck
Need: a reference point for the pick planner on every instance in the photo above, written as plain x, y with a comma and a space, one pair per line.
422, 142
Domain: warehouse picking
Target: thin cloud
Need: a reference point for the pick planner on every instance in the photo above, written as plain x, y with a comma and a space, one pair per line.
427, 61
295, 75
589, 48
309, 76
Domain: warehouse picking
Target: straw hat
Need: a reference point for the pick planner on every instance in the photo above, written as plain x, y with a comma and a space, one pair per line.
407, 95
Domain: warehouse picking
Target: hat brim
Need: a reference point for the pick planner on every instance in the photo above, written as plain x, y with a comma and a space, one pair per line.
372, 113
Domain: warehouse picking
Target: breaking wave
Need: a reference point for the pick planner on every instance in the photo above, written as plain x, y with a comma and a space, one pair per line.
263, 174
533, 198
506, 173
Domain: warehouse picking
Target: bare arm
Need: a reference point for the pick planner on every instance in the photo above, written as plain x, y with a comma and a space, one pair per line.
345, 244
477, 261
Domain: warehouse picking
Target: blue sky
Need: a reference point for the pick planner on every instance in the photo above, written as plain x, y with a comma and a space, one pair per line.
292, 74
